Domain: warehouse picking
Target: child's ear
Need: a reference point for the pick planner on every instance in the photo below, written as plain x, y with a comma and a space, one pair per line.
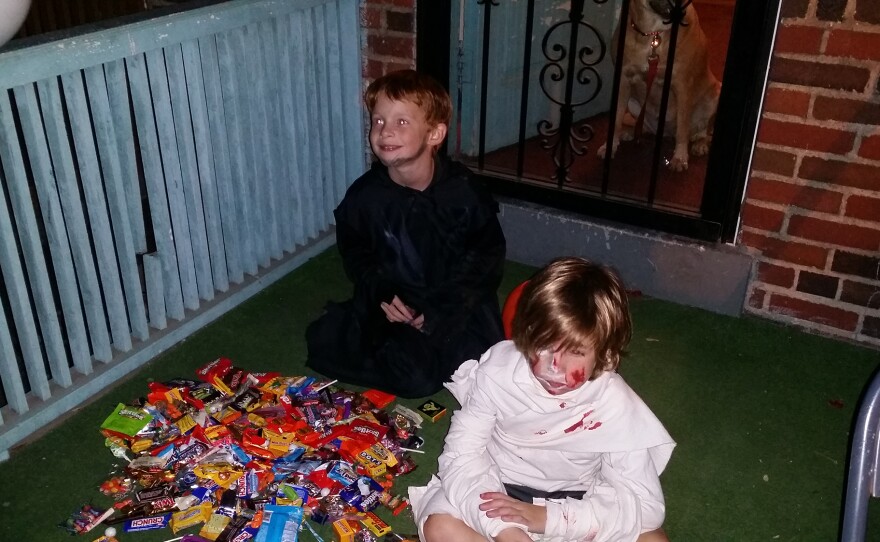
437, 134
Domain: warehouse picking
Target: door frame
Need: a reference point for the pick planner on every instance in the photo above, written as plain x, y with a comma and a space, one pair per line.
739, 109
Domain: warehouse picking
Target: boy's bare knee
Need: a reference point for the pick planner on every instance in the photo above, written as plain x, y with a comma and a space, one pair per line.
436, 527
443, 528
657, 535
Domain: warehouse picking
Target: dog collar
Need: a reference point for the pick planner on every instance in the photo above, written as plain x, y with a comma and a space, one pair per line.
655, 37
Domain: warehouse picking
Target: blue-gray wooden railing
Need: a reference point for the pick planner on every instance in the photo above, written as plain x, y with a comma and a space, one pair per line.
155, 175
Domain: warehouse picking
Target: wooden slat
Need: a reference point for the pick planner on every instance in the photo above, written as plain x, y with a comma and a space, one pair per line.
207, 175
292, 124
114, 189
19, 301
323, 93
90, 177
227, 46
117, 89
53, 220
18, 188
173, 182
270, 136
189, 169
226, 192
337, 141
155, 182
298, 127
306, 61
253, 127
155, 290
74, 218
349, 20
10, 376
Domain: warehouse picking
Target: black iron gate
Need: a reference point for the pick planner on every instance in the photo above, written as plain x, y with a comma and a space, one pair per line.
539, 139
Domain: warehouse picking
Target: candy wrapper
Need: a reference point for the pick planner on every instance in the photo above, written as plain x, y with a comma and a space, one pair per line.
86, 518
280, 523
241, 455
125, 422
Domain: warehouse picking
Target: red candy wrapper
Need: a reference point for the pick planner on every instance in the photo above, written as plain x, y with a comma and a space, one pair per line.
379, 398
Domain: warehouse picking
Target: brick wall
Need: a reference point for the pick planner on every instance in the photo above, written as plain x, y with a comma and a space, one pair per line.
388, 41
812, 210
389, 36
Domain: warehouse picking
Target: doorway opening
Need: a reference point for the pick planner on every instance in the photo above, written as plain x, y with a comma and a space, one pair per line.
536, 85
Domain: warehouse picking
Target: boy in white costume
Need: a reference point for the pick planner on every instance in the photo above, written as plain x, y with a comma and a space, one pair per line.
550, 443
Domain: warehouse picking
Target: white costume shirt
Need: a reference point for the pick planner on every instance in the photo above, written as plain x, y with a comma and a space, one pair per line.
600, 438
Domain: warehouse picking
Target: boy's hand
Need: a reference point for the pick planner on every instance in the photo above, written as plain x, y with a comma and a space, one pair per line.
502, 506
397, 311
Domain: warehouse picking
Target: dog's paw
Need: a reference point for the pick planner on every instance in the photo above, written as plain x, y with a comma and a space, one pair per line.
601, 152
700, 147
678, 163
627, 134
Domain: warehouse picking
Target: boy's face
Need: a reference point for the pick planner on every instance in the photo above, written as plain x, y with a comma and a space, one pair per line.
400, 134
561, 371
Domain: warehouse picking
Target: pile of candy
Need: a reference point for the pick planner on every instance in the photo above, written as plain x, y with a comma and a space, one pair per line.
250, 455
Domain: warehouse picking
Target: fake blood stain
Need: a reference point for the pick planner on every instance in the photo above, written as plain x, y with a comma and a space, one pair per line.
580, 423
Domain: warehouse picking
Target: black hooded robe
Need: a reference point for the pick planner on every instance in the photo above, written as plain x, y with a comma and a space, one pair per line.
441, 251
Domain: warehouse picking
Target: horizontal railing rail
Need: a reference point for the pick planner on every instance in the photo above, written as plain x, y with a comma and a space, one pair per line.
154, 175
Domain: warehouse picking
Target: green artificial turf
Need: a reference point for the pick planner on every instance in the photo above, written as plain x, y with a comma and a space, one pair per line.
761, 414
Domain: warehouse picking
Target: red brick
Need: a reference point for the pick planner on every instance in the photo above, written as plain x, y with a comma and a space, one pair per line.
774, 161
794, 38
786, 250
830, 10
847, 43
871, 327
859, 293
398, 21
818, 284
805, 197
863, 207
401, 47
870, 146
787, 102
814, 312
397, 66
839, 172
775, 274
859, 265
794, 8
371, 18
846, 110
835, 233
867, 11
373, 69
801, 136
756, 300
818, 74
762, 218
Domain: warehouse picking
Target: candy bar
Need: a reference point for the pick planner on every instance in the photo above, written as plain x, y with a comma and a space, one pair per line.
146, 524
375, 524
223, 450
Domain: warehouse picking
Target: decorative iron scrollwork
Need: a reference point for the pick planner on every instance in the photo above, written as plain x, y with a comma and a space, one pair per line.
571, 64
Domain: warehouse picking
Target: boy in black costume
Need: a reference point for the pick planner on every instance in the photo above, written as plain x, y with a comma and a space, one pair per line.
421, 242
